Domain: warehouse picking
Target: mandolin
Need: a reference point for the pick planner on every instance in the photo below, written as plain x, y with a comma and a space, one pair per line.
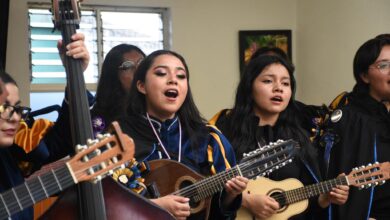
171, 177
293, 197
92, 162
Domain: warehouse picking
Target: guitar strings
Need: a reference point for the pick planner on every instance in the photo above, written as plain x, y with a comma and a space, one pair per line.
214, 183
222, 176
302, 193
36, 190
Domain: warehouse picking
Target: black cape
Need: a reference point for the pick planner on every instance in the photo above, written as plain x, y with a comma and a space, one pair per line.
361, 136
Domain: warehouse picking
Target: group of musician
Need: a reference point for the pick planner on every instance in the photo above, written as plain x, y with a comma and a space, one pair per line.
151, 99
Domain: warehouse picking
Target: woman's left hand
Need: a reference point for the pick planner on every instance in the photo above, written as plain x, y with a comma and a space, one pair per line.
236, 185
76, 49
338, 195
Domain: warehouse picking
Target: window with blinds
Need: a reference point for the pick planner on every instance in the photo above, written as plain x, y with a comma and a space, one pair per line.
104, 27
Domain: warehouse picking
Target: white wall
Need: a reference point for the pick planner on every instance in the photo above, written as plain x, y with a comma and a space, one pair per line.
326, 35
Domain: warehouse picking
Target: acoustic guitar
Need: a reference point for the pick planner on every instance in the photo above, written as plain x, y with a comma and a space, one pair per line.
171, 177
92, 162
293, 197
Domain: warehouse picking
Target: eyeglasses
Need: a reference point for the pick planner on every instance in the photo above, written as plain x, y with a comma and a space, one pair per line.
382, 66
6, 111
128, 64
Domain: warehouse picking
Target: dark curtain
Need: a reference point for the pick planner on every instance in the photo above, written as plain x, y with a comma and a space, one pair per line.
4, 12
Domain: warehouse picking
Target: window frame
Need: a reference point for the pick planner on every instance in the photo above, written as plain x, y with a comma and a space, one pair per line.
166, 31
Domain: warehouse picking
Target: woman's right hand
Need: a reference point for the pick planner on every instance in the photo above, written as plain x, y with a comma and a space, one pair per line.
178, 206
261, 206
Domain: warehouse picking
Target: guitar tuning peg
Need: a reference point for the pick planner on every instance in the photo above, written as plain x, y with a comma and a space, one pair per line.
376, 183
99, 136
382, 182
115, 160
361, 187
97, 151
362, 167
355, 168
370, 164
110, 172
107, 135
369, 185
90, 141
97, 179
80, 148
376, 163
277, 167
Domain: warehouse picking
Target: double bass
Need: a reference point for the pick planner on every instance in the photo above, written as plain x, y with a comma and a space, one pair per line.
89, 199
66, 15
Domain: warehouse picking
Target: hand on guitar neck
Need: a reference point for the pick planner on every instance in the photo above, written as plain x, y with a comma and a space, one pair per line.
264, 206
175, 181
292, 196
338, 196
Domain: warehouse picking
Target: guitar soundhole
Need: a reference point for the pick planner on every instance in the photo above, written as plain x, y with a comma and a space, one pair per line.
186, 183
280, 197
183, 182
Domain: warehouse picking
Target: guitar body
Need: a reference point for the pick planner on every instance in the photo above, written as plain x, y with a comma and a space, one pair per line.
168, 176
269, 187
120, 203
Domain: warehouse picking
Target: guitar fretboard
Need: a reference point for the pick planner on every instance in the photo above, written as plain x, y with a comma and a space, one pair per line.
310, 191
207, 187
34, 190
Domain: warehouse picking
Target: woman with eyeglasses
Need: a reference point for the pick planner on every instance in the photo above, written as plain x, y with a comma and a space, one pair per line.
11, 114
114, 84
360, 128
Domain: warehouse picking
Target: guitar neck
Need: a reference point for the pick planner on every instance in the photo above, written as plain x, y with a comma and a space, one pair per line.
209, 186
253, 166
34, 190
296, 195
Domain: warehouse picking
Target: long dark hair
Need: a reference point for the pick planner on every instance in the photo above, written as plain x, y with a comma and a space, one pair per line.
188, 113
241, 129
7, 78
111, 97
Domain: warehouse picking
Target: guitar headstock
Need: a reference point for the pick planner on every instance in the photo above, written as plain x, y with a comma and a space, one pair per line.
65, 11
101, 156
269, 158
368, 176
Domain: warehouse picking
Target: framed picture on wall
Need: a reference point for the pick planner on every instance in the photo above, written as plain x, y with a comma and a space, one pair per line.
250, 41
